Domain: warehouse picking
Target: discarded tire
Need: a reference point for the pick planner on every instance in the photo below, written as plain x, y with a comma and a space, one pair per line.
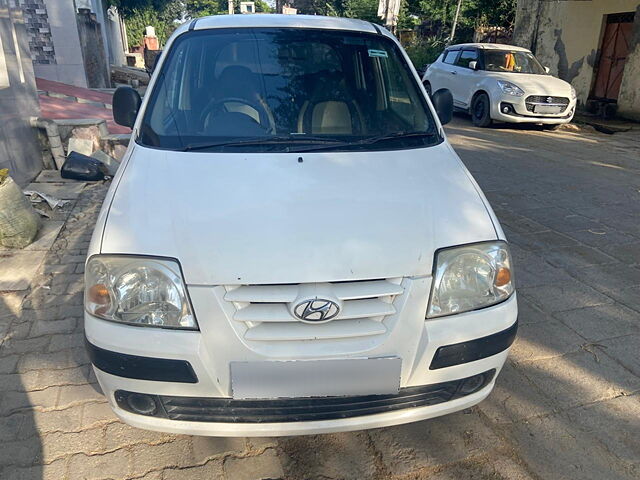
18, 220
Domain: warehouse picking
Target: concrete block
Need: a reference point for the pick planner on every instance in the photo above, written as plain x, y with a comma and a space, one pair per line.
80, 145
63, 191
111, 163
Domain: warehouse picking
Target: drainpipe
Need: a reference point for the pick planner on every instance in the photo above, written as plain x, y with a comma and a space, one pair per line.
53, 135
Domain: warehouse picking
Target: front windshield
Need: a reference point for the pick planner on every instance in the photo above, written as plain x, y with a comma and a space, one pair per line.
512, 61
270, 89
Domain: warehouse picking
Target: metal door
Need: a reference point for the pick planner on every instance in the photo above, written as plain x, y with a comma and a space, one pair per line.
613, 55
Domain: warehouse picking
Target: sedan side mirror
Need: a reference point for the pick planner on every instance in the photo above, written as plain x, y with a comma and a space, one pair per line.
443, 103
546, 69
126, 103
473, 65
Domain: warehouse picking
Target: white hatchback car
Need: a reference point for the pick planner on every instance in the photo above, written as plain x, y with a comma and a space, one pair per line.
503, 83
291, 245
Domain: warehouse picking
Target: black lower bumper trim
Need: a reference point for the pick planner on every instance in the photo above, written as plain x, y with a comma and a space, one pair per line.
279, 410
473, 350
141, 368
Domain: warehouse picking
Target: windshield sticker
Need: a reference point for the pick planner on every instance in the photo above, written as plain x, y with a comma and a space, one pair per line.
378, 53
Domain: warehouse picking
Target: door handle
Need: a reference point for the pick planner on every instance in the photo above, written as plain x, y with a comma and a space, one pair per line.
453, 72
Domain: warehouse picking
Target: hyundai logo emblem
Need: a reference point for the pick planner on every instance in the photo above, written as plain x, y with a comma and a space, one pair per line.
316, 310
549, 99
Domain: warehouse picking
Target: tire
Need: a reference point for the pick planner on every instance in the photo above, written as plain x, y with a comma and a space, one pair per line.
553, 127
481, 111
427, 87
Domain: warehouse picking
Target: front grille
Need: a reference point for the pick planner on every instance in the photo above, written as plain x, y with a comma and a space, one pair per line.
543, 100
227, 410
533, 100
264, 311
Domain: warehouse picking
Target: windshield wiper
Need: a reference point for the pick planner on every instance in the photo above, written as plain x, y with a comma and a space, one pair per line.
368, 141
269, 140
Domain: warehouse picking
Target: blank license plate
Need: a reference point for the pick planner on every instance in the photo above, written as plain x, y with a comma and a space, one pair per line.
315, 378
547, 109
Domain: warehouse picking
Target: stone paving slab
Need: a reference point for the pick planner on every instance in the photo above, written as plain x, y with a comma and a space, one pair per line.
18, 268
63, 191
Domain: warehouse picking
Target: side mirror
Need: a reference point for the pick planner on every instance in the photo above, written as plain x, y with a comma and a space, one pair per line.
546, 69
473, 65
126, 103
443, 103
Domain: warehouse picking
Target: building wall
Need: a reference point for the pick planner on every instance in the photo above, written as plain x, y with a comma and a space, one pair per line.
566, 35
19, 150
629, 99
69, 65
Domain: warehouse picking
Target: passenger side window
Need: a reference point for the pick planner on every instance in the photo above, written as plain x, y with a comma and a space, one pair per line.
465, 57
450, 56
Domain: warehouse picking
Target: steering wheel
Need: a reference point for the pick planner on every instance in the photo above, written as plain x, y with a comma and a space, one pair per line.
216, 107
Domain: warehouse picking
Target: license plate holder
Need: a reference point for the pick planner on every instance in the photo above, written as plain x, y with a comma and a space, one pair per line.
315, 378
547, 109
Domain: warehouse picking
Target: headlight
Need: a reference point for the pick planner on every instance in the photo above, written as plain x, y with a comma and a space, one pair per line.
510, 88
137, 291
573, 93
470, 277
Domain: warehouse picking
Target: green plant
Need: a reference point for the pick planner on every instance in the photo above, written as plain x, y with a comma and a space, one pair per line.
425, 50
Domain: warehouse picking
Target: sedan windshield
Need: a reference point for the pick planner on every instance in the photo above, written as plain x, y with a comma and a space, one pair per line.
512, 61
253, 90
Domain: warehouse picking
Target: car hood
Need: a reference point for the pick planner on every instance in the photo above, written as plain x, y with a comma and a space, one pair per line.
537, 84
233, 218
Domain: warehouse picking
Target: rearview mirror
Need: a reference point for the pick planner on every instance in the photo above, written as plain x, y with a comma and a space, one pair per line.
126, 103
443, 103
473, 65
546, 69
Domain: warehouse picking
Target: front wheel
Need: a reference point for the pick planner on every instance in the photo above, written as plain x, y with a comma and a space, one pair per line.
481, 111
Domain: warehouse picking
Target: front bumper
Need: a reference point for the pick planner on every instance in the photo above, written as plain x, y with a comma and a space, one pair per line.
520, 112
463, 336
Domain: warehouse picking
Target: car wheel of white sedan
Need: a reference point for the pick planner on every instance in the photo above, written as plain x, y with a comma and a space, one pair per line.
481, 110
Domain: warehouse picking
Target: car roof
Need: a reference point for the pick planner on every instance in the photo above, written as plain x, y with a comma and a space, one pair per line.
283, 21
489, 46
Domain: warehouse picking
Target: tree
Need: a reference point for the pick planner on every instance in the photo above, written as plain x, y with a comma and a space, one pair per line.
126, 8
202, 8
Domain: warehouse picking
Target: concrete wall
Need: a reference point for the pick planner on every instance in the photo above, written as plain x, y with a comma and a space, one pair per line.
19, 150
566, 35
93, 52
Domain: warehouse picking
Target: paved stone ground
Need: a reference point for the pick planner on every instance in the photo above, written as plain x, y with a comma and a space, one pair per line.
566, 406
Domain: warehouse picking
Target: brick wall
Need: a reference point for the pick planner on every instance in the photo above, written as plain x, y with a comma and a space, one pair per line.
38, 32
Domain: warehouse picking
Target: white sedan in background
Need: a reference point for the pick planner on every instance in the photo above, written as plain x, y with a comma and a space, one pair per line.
503, 83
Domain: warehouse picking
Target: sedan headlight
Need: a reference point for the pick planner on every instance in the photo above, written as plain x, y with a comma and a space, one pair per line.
137, 291
573, 93
470, 277
510, 88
